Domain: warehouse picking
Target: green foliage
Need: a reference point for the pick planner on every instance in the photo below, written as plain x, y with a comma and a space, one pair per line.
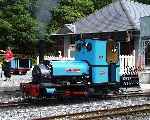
17, 26
69, 11
20, 29
98, 4
144, 1
84, 6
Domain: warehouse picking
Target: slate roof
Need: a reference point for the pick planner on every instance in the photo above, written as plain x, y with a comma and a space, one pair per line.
120, 15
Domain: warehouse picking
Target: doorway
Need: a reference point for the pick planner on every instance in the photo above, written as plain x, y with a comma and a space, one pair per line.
147, 52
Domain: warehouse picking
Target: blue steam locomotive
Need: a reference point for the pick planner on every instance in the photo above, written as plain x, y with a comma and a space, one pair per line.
94, 71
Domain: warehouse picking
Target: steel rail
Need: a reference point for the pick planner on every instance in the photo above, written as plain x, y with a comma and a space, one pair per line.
25, 102
13, 104
101, 114
133, 94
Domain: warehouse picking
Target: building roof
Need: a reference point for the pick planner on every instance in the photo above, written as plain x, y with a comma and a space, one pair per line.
120, 15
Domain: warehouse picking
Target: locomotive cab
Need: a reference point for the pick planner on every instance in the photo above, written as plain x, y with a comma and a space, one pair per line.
102, 56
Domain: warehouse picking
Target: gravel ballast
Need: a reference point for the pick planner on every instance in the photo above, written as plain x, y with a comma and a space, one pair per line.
39, 112
29, 113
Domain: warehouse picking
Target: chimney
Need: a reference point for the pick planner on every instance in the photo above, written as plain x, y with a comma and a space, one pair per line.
41, 50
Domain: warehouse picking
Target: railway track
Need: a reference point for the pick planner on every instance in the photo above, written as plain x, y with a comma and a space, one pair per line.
52, 101
102, 114
132, 94
13, 104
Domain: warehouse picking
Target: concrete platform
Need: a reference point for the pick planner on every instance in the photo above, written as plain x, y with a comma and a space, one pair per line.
14, 82
6, 89
144, 78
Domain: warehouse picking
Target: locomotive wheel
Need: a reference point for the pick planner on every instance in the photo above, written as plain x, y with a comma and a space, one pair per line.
36, 74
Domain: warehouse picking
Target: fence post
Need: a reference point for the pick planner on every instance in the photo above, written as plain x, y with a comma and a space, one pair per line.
121, 64
37, 60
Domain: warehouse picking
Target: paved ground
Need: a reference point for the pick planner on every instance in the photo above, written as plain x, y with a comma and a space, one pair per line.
14, 82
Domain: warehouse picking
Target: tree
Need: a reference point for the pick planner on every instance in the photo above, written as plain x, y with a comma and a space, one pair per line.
144, 1
98, 4
69, 11
17, 27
